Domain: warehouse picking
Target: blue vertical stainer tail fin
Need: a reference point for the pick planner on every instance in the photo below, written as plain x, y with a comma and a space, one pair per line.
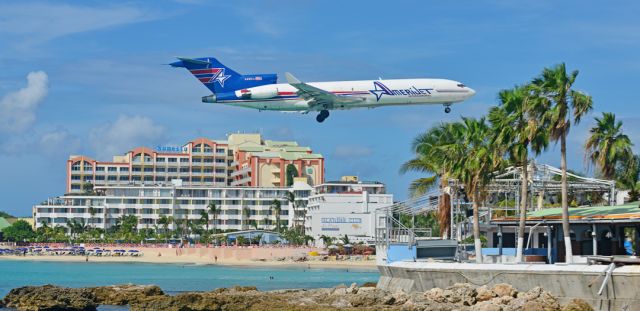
219, 78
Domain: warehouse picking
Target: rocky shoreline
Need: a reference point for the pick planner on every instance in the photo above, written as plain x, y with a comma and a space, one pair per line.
502, 297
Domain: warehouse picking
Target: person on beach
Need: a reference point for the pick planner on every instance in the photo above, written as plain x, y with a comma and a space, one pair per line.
215, 258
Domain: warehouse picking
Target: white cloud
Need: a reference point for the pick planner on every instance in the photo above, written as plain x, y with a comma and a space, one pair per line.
353, 151
36, 23
59, 143
18, 109
124, 134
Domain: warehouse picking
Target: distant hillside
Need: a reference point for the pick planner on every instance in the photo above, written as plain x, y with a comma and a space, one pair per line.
6, 215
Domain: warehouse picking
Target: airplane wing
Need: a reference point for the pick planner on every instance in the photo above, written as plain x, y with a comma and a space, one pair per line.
317, 96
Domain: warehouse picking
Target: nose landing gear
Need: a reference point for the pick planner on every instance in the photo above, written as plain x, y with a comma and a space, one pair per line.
324, 114
447, 108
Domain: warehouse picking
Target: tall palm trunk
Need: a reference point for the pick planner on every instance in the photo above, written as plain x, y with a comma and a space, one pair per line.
523, 208
444, 210
476, 230
565, 206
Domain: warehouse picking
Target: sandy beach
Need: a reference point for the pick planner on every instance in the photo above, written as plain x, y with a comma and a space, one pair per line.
236, 256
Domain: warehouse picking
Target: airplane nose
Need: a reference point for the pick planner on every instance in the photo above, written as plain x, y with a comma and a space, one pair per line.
471, 91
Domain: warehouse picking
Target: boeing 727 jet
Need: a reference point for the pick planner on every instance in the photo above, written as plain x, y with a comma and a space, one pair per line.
263, 92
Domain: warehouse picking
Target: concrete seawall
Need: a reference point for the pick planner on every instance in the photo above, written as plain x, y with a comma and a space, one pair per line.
564, 281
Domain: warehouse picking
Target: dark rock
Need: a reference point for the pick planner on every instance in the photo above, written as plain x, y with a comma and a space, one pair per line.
124, 294
50, 298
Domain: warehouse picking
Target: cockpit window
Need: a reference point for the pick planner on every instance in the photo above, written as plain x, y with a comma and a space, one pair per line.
461, 85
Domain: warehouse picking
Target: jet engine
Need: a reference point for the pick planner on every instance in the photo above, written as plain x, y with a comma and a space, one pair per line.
209, 99
257, 93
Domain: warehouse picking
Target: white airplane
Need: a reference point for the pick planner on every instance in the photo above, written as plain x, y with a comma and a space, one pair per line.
262, 92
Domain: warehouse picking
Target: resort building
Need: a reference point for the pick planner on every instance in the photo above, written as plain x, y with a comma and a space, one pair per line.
345, 207
242, 160
240, 208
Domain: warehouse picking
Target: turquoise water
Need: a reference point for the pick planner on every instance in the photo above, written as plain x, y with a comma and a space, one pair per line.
174, 278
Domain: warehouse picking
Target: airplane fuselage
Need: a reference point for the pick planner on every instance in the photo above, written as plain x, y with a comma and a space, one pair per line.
370, 93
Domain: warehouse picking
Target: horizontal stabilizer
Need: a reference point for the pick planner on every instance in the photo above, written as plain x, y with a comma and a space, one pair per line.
194, 61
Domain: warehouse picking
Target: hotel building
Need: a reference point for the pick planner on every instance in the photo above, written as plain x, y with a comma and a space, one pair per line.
241, 208
242, 160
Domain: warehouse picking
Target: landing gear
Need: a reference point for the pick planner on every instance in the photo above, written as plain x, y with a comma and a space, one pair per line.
447, 108
322, 116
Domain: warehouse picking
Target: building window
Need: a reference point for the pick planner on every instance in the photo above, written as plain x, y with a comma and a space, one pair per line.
124, 169
112, 178
135, 169
219, 150
124, 178
196, 170
160, 169
184, 160
161, 159
148, 178
75, 177
75, 187
100, 177
184, 170
172, 169
136, 178
112, 169
218, 160
173, 160
148, 169
99, 168
220, 180
220, 171
208, 179
160, 178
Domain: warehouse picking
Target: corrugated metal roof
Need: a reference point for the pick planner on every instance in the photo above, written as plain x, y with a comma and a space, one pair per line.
594, 212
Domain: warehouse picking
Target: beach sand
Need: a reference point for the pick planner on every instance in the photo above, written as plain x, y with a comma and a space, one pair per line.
225, 256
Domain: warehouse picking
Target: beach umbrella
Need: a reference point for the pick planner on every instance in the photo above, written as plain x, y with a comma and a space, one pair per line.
133, 251
333, 246
348, 245
46, 246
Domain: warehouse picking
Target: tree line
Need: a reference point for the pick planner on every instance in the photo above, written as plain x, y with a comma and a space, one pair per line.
526, 120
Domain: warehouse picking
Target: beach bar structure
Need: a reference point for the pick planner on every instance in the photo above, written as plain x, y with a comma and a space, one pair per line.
599, 230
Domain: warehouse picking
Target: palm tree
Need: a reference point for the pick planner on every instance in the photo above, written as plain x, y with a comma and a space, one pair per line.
345, 240
204, 218
515, 128
164, 221
246, 213
432, 158
291, 198
214, 211
326, 240
473, 162
628, 175
276, 208
606, 145
92, 212
561, 105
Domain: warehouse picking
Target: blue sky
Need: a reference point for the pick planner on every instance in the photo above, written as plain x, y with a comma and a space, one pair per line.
98, 86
